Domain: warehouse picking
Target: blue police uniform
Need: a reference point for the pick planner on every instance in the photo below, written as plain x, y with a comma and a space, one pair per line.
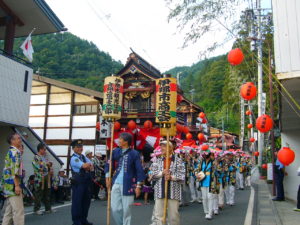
81, 193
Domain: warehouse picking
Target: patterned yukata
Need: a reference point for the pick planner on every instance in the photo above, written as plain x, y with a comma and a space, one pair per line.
42, 183
13, 168
230, 173
177, 171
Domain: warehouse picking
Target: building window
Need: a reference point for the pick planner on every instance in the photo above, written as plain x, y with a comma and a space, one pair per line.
85, 109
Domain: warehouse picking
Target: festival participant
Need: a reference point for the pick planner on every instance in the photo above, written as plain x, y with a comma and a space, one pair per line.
185, 185
215, 183
230, 172
11, 182
43, 173
240, 164
175, 175
205, 169
220, 183
99, 182
248, 172
193, 184
127, 179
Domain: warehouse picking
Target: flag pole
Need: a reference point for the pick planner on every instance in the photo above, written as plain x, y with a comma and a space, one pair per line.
166, 181
110, 172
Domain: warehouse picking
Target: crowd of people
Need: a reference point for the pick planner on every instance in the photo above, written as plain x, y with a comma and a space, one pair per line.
194, 174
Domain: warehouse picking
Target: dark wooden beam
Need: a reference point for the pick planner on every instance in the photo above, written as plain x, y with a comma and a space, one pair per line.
9, 36
70, 133
68, 142
46, 112
2, 21
9, 12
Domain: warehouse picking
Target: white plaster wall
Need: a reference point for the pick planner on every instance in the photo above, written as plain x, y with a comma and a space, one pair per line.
292, 181
14, 102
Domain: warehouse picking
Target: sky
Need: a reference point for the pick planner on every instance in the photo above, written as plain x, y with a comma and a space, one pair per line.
115, 26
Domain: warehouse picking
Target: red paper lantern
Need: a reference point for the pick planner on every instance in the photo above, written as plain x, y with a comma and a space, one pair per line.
202, 115
256, 153
189, 136
179, 98
286, 156
264, 123
179, 128
186, 129
204, 120
250, 125
264, 166
235, 56
148, 124
201, 137
252, 139
131, 125
117, 126
204, 147
248, 112
98, 126
248, 91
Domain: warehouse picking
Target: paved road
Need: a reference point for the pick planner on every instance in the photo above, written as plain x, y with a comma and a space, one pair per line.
190, 215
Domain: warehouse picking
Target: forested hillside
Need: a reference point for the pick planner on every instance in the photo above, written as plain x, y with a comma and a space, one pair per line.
68, 58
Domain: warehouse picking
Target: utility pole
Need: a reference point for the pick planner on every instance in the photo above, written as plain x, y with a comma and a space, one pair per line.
272, 116
242, 123
260, 136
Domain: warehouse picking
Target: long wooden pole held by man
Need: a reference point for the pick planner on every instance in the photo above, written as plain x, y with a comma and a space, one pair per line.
111, 110
110, 174
166, 100
166, 181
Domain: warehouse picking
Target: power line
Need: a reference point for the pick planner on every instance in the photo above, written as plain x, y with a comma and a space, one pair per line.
107, 26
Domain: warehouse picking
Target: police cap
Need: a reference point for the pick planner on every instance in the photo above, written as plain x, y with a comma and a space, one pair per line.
77, 143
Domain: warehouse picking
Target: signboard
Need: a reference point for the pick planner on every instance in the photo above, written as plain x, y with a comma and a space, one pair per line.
112, 97
270, 172
100, 149
166, 100
105, 128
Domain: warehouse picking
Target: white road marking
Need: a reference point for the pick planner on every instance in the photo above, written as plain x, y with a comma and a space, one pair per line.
56, 207
249, 215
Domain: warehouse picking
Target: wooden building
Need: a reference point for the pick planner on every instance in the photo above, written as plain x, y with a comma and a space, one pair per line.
17, 18
61, 112
139, 95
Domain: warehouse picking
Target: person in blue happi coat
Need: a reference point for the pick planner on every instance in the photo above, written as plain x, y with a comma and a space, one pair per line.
128, 175
81, 181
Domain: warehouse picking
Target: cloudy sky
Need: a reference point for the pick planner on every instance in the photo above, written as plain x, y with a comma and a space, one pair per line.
116, 25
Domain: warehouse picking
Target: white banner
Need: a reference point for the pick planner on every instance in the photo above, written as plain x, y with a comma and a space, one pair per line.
105, 128
270, 172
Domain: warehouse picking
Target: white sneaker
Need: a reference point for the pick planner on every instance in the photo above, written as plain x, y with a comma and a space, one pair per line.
199, 201
216, 212
208, 217
192, 201
39, 212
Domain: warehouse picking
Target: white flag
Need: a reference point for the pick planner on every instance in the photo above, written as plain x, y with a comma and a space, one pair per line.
27, 48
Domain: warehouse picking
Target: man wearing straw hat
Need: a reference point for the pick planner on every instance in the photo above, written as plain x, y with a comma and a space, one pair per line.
175, 175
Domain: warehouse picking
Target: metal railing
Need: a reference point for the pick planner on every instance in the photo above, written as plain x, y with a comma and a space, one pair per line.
15, 58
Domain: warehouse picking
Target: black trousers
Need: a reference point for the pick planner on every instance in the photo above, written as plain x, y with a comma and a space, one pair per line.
298, 198
279, 185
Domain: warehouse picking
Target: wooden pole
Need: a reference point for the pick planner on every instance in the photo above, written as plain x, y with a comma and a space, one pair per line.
166, 181
110, 171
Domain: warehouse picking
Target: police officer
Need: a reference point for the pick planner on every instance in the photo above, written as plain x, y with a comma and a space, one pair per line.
81, 183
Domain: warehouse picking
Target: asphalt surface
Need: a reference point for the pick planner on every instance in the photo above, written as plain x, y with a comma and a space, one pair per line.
189, 215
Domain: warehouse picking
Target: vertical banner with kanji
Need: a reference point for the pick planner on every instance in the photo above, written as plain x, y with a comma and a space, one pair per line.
105, 128
166, 98
112, 99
